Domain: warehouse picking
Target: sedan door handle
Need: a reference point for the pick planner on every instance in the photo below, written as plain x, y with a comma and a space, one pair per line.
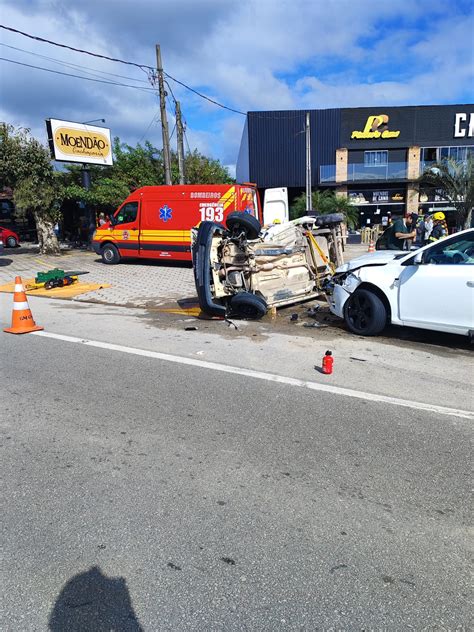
470, 284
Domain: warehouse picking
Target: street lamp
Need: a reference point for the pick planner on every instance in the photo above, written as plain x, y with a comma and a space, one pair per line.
93, 121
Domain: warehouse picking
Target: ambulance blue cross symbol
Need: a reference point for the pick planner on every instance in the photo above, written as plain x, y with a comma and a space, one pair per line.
166, 213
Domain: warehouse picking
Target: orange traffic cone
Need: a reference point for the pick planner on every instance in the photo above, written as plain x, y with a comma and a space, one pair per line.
371, 246
22, 318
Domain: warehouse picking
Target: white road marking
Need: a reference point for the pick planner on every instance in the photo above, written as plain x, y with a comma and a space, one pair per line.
260, 375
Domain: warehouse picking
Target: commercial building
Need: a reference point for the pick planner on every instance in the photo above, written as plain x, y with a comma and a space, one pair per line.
373, 155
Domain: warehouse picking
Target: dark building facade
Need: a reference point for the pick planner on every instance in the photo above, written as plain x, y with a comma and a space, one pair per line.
373, 155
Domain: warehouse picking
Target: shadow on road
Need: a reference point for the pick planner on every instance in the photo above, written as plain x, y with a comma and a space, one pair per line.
93, 602
5, 262
159, 263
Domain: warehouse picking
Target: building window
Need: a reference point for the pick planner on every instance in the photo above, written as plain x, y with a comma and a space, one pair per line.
375, 158
435, 154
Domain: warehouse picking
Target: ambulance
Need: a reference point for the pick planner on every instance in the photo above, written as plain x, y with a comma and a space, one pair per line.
155, 222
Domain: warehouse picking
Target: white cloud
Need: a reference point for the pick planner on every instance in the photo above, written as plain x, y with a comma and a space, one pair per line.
255, 54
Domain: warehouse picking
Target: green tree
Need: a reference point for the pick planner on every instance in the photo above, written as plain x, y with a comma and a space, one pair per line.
202, 170
456, 181
324, 203
25, 167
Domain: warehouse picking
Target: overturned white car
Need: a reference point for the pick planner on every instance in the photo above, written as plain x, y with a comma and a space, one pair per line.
431, 288
240, 271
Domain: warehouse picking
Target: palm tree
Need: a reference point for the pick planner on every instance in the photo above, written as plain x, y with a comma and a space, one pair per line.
342, 204
456, 181
324, 203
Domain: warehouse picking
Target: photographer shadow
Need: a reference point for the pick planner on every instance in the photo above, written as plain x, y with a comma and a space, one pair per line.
94, 602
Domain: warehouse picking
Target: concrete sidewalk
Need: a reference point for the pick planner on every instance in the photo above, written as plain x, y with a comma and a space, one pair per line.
136, 283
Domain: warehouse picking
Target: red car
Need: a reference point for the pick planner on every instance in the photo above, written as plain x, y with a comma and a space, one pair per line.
10, 238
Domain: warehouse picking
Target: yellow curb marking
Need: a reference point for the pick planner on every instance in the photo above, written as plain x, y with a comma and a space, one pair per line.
189, 311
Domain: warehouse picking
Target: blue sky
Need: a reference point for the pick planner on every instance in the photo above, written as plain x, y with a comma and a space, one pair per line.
247, 54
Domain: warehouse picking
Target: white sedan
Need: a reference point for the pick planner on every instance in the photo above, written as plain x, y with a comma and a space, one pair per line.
430, 288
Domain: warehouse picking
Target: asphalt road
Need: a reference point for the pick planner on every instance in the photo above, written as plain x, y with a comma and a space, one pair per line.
145, 495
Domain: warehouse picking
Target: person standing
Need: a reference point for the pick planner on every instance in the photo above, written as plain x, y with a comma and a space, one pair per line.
428, 229
439, 227
399, 232
412, 220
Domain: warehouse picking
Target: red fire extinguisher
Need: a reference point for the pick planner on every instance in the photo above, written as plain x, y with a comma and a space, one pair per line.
328, 361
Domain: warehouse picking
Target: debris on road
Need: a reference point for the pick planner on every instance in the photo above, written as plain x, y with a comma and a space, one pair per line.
231, 323
312, 311
328, 362
191, 328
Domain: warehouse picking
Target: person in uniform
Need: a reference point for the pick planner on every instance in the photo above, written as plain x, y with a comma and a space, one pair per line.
439, 227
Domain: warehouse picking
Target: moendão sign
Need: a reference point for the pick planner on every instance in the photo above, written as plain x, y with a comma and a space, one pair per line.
376, 127
79, 142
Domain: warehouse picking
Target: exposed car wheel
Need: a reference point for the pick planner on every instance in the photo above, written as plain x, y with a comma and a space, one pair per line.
11, 242
365, 313
110, 254
247, 305
244, 222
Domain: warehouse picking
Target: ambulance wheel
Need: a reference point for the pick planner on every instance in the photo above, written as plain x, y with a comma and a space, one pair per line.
110, 254
248, 306
244, 222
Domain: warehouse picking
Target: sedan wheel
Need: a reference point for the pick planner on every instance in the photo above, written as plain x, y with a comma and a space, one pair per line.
365, 313
11, 242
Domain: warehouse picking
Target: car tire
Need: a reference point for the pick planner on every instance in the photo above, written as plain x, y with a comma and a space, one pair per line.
249, 224
110, 254
364, 313
11, 242
247, 306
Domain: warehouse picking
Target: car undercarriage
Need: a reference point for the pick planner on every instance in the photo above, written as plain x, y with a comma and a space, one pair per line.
242, 271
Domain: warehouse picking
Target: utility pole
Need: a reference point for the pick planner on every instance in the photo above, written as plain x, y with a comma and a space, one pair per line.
164, 120
179, 135
309, 203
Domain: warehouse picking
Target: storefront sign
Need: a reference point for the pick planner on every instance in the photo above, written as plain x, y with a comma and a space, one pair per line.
461, 126
77, 142
376, 127
432, 195
390, 196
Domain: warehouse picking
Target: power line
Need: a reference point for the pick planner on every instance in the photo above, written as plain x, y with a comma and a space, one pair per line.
67, 74
144, 67
77, 50
71, 65
155, 119
203, 96
171, 91
187, 143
